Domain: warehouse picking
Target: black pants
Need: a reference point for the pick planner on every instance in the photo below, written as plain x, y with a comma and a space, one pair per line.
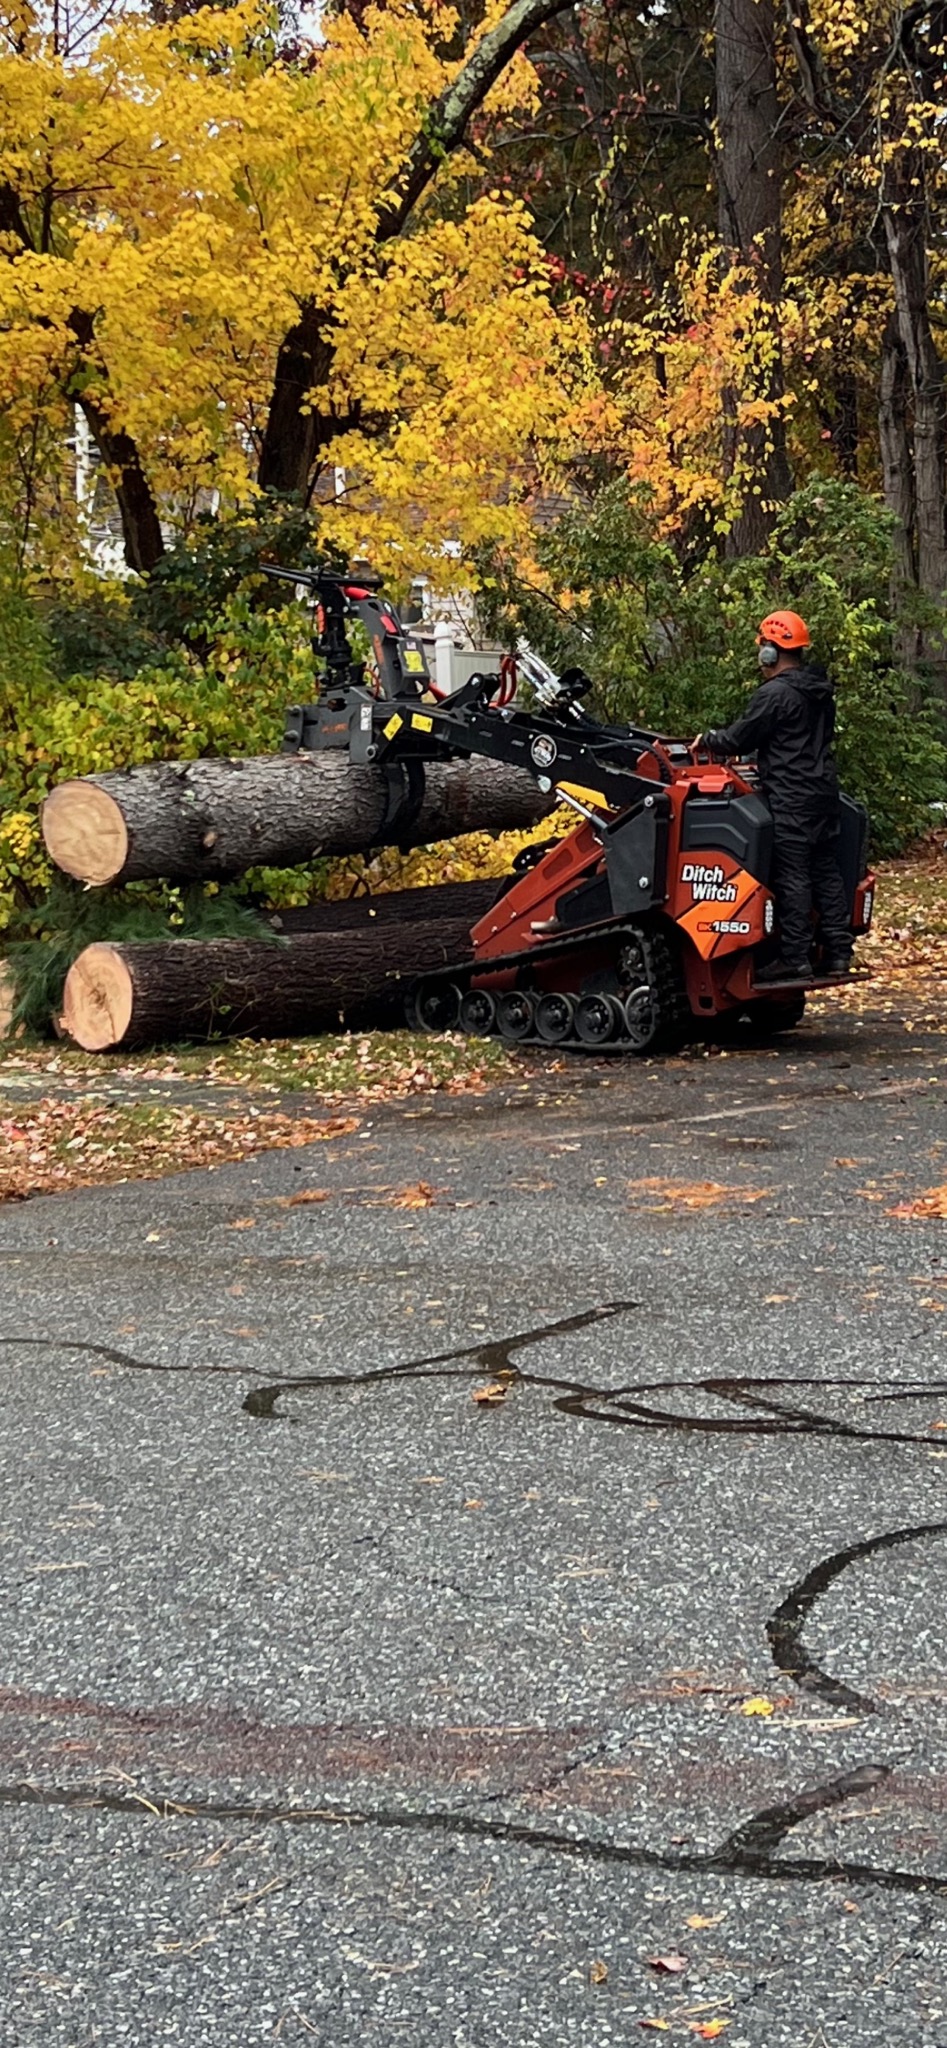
807, 876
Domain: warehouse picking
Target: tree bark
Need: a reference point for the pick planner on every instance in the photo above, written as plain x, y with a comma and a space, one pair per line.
749, 188
141, 526
897, 467
187, 988
209, 819
294, 436
458, 900
905, 215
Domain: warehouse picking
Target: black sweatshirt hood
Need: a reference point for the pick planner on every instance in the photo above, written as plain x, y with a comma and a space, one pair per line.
810, 678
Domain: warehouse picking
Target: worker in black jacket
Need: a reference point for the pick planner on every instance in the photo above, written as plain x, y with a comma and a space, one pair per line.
788, 725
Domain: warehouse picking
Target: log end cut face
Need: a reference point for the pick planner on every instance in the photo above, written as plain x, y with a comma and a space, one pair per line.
85, 832
98, 999
7, 999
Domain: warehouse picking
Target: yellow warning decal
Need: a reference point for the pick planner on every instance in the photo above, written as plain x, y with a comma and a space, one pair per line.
394, 725
414, 660
585, 796
421, 724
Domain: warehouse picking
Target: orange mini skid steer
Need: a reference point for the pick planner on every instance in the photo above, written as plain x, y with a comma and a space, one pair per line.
642, 926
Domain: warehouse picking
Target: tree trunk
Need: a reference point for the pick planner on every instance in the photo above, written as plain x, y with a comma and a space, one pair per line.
187, 988
749, 189
294, 437
904, 209
196, 820
845, 435
141, 526
298, 426
897, 468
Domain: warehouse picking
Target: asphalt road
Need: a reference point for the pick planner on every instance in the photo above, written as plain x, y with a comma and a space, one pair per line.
339, 1706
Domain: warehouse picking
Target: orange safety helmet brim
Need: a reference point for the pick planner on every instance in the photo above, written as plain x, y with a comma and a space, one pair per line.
784, 629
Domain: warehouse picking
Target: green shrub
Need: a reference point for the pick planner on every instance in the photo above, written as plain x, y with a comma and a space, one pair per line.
180, 704
674, 649
73, 918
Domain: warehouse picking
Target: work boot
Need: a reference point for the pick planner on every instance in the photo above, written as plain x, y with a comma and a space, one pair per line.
837, 963
780, 971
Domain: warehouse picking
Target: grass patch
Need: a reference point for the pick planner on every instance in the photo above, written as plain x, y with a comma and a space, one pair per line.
64, 1135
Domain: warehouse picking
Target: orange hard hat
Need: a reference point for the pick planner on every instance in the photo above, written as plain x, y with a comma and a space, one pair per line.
784, 629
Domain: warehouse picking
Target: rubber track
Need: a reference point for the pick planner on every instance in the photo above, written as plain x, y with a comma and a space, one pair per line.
676, 1019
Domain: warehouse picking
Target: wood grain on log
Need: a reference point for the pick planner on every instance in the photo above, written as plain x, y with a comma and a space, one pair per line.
140, 994
187, 820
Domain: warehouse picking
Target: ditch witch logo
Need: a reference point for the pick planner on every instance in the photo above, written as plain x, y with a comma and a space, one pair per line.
708, 885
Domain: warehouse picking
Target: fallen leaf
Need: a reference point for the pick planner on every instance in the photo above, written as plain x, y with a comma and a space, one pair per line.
420, 1196
708, 2030
757, 1705
473, 1503
656, 2026
705, 1919
308, 1195
491, 1395
668, 1966
598, 1972
243, 1223
697, 1194
771, 1299
933, 1204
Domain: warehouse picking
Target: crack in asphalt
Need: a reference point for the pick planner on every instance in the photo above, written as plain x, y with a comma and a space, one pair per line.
494, 1355
784, 1627
773, 1416
747, 1852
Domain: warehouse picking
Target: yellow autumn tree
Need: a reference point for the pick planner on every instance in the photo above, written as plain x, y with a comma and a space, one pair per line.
178, 200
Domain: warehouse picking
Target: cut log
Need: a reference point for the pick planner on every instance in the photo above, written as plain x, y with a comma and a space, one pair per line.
191, 820
7, 998
456, 900
133, 995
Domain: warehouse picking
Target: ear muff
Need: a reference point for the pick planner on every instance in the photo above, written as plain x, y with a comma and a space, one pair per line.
768, 655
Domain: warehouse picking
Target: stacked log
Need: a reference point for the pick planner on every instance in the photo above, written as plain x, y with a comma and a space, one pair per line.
7, 998
209, 819
465, 901
343, 973
335, 963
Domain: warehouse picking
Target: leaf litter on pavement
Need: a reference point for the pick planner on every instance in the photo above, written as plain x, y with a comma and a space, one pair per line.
76, 1131
93, 1127
51, 1146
